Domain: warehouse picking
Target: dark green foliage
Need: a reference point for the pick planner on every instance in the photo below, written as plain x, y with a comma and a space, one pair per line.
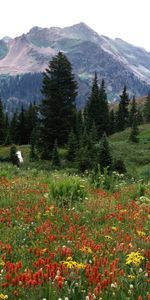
72, 147
2, 124
96, 110
13, 157
123, 114
133, 111
79, 125
134, 132
87, 153
58, 106
119, 166
103, 125
92, 109
111, 122
14, 134
139, 117
22, 128
147, 109
104, 155
55, 156
33, 154
31, 119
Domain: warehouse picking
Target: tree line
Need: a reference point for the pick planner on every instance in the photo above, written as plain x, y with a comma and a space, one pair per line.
55, 122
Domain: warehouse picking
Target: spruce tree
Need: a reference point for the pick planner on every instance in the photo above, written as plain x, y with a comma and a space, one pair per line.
133, 111
31, 120
72, 147
96, 110
2, 123
123, 114
92, 109
134, 132
22, 128
57, 110
147, 109
111, 122
104, 155
13, 156
14, 134
55, 156
103, 125
33, 136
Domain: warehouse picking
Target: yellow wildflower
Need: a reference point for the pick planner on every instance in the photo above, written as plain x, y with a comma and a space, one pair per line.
71, 264
1, 263
131, 277
134, 258
86, 249
114, 228
108, 237
141, 233
2, 296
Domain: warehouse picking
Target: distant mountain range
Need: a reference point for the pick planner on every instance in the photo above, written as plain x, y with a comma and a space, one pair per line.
23, 58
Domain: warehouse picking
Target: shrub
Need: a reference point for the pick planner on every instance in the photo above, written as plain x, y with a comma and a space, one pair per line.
67, 191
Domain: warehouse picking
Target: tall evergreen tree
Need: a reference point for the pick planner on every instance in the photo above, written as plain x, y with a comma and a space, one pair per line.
22, 128
55, 156
105, 157
134, 132
96, 110
147, 109
72, 146
123, 114
111, 122
2, 123
92, 109
14, 134
58, 106
104, 111
133, 111
31, 119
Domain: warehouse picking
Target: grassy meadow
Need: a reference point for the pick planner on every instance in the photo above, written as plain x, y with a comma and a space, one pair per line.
70, 237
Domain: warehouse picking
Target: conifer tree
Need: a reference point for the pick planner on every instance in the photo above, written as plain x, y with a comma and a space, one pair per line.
14, 134
2, 123
147, 109
22, 128
103, 125
123, 114
134, 132
31, 120
92, 109
55, 156
96, 110
72, 146
58, 106
13, 157
111, 122
133, 111
104, 155
33, 136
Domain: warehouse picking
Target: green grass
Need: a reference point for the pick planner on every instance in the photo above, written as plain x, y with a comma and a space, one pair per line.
135, 156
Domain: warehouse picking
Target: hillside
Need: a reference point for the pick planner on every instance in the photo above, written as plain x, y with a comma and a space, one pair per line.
116, 61
135, 156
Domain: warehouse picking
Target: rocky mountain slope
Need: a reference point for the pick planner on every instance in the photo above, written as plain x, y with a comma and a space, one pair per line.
116, 61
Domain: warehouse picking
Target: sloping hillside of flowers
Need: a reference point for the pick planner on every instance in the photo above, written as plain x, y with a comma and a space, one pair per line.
63, 239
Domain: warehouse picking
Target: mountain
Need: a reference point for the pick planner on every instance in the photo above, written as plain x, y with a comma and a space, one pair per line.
23, 58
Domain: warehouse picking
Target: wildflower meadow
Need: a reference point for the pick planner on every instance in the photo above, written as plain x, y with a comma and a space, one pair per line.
62, 237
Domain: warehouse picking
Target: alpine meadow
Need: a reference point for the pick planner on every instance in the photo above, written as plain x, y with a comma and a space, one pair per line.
74, 177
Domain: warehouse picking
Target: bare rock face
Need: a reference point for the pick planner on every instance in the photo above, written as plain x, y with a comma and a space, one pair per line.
116, 61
